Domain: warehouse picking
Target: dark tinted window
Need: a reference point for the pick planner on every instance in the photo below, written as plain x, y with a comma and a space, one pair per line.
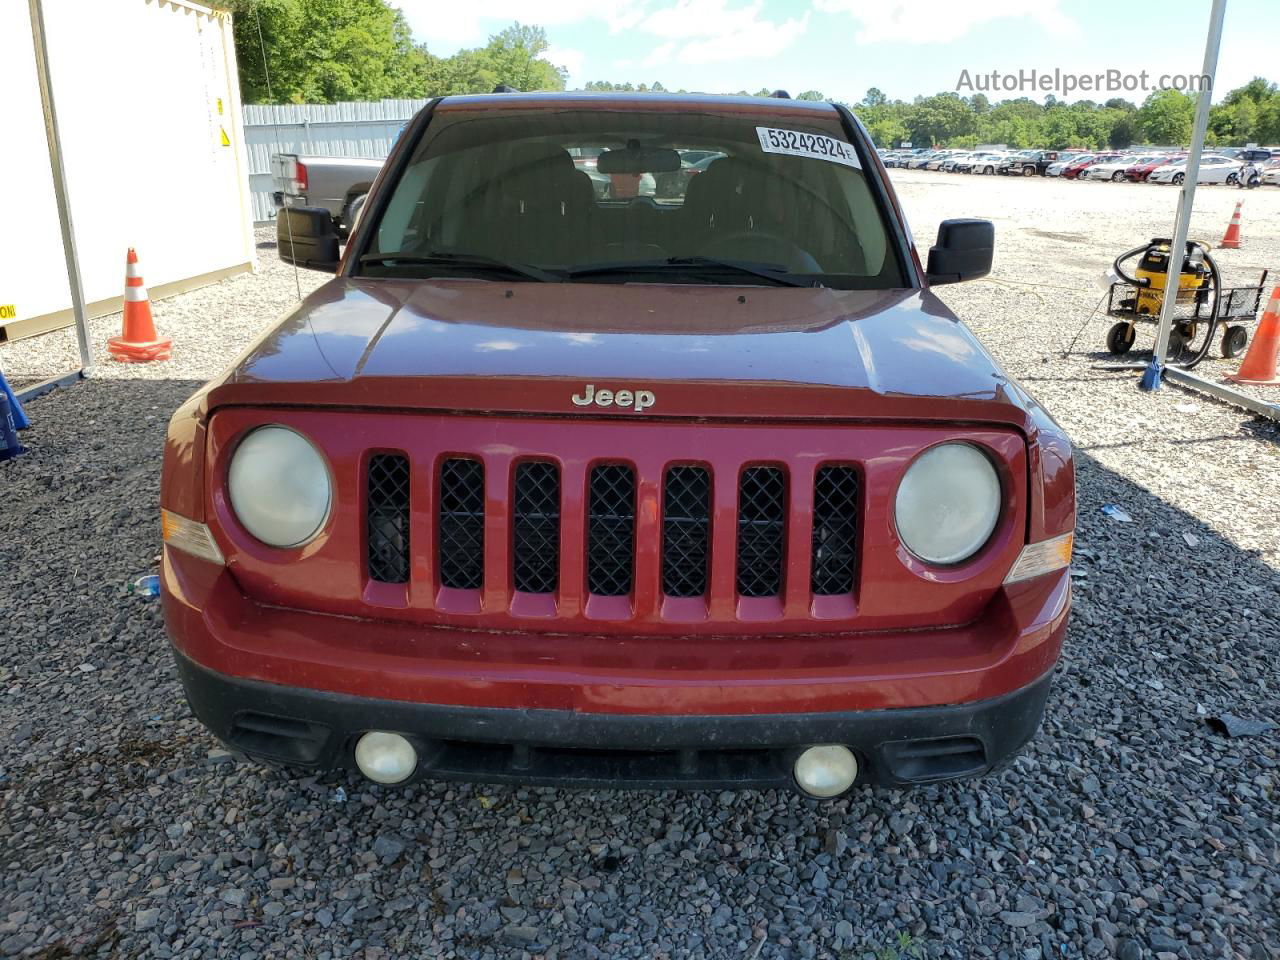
570, 190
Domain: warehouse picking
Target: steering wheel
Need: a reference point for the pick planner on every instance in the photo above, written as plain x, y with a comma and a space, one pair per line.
762, 246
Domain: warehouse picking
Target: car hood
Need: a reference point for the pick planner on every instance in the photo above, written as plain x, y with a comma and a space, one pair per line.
701, 351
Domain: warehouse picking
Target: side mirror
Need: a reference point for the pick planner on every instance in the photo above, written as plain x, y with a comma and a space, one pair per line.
963, 251
307, 237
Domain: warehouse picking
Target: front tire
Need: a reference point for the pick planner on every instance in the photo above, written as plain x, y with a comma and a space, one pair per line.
1120, 339
1234, 340
1178, 178
1028, 171
349, 215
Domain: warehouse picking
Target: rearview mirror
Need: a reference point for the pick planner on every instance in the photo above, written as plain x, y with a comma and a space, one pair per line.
963, 251
638, 159
307, 237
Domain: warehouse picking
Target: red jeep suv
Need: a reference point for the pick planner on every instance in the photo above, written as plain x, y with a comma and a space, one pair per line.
704, 489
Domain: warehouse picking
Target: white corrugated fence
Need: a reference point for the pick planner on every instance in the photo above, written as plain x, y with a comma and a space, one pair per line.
323, 129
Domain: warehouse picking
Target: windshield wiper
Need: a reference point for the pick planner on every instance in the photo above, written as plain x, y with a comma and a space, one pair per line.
775, 275
472, 261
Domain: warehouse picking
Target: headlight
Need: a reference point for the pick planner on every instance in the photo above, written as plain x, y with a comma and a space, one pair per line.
279, 486
948, 503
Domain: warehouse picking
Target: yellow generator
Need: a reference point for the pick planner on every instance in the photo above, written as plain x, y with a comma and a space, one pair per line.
1200, 305
1193, 281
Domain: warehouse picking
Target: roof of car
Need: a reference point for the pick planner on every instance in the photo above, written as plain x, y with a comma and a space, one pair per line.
625, 101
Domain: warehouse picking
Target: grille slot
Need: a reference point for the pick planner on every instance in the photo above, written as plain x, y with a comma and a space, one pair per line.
461, 525
280, 738
611, 530
942, 758
835, 529
762, 505
536, 537
387, 518
686, 528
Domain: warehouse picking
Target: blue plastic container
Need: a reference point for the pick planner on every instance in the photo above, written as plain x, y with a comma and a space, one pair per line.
15, 408
148, 586
9, 445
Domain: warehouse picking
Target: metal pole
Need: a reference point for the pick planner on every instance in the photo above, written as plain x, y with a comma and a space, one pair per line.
1151, 377
60, 183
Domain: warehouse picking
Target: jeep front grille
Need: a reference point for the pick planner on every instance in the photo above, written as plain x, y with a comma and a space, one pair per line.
461, 540
762, 518
611, 530
536, 531
835, 526
686, 531
622, 531
387, 518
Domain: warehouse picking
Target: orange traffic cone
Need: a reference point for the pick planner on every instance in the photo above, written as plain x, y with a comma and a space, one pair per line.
1260, 362
139, 342
1231, 239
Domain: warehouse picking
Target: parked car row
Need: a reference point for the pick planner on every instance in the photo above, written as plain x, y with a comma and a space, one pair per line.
1116, 166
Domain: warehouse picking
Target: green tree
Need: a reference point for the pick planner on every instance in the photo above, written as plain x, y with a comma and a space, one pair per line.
323, 51
513, 57
1124, 129
1166, 117
320, 51
885, 127
938, 118
874, 98
1268, 130
1259, 90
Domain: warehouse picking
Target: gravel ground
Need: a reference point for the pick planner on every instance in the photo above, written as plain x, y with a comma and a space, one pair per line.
1128, 829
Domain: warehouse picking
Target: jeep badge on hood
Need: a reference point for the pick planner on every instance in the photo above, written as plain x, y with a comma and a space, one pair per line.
637, 400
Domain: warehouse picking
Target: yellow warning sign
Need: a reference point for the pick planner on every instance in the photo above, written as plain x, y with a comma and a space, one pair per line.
226, 141
219, 106
8, 311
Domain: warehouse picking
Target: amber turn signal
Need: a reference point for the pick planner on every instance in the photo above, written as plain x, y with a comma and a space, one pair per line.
189, 537
1043, 557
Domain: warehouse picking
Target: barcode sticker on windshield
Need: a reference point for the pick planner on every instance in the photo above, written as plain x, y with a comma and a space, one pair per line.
797, 144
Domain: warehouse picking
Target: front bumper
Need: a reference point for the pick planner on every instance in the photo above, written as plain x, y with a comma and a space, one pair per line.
299, 687
898, 747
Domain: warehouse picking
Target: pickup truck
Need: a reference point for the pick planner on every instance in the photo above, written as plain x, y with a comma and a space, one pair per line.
549, 487
338, 184
1030, 163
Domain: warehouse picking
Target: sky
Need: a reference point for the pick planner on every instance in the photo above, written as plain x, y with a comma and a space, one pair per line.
842, 47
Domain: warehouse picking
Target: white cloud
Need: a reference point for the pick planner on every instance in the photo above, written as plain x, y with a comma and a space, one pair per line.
470, 25
712, 31
572, 60
662, 53
941, 21
686, 31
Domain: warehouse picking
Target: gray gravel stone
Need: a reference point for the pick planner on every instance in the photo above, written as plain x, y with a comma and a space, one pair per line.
387, 847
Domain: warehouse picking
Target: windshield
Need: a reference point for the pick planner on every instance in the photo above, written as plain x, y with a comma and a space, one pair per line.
690, 194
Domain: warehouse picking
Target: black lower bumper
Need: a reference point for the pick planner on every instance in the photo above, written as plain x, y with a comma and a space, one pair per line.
310, 728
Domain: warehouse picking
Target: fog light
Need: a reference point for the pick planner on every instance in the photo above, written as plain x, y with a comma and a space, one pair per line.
385, 757
826, 770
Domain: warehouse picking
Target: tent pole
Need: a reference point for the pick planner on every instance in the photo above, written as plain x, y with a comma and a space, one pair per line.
1151, 376
38, 39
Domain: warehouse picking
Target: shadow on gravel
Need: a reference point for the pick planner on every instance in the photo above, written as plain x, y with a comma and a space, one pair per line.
1127, 829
